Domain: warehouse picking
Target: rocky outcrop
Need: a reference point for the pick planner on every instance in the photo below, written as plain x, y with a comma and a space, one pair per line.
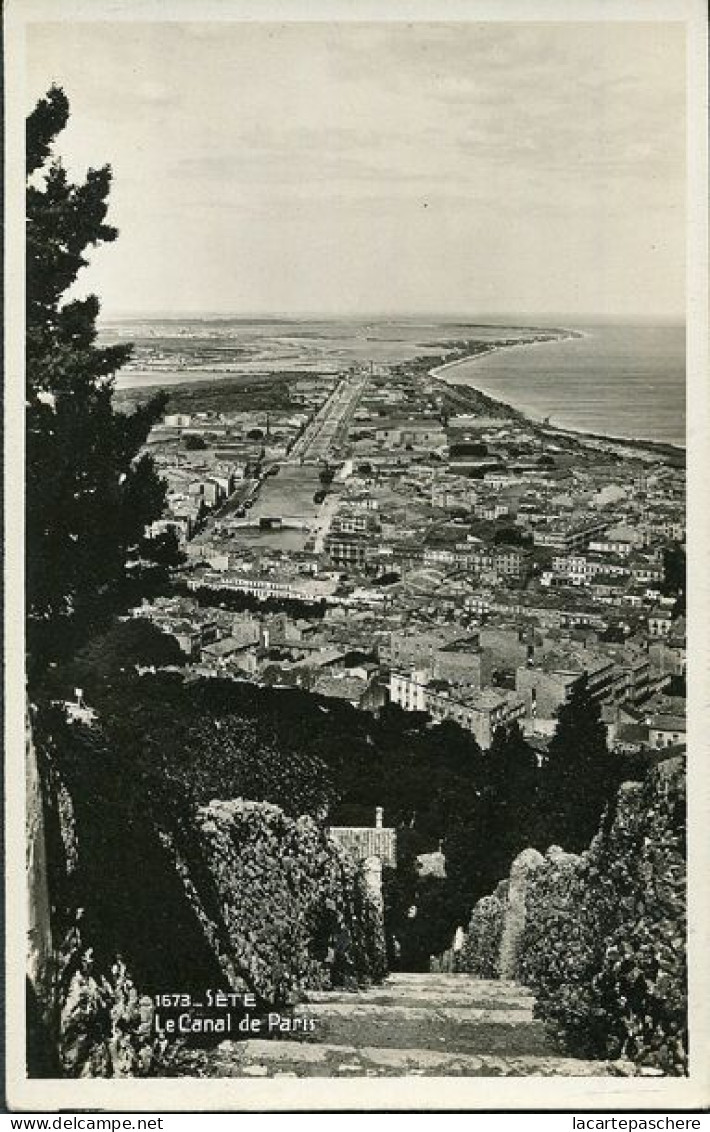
106, 1026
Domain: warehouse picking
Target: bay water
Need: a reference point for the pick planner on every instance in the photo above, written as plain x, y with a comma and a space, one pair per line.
617, 380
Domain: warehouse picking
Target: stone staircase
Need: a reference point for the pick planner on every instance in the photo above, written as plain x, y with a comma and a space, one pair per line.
427, 1025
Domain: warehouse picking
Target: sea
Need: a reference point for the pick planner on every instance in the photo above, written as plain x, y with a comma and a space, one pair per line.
626, 381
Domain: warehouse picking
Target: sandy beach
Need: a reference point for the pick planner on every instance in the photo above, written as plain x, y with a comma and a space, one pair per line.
616, 441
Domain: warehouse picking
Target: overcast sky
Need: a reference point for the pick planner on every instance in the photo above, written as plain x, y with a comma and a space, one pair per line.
355, 168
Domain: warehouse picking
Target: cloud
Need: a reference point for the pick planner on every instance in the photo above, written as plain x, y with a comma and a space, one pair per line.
350, 128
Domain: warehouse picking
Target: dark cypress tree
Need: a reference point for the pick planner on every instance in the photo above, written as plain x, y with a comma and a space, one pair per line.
515, 782
501, 819
580, 775
674, 576
89, 494
512, 766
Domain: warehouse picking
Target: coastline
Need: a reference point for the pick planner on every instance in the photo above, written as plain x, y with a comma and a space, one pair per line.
493, 347
659, 448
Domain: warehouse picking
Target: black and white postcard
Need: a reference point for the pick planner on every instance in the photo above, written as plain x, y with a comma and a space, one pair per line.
357, 606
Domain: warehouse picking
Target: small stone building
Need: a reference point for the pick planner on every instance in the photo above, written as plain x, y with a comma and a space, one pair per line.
368, 841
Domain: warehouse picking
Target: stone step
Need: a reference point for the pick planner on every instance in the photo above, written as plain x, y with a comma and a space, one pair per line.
290, 1059
424, 981
459, 1029
367, 1010
464, 996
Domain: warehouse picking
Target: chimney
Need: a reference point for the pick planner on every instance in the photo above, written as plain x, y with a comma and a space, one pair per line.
379, 812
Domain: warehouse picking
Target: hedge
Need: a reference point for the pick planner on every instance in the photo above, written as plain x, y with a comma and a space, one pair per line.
294, 903
604, 941
480, 954
151, 894
283, 908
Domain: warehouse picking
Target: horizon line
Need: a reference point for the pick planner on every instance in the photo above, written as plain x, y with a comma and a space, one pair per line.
474, 318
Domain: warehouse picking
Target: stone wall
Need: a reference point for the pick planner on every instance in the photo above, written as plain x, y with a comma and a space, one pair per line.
40, 968
39, 933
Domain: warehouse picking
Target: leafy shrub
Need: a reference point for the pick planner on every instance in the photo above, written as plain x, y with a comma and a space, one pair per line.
232, 895
604, 942
192, 442
124, 646
480, 955
294, 903
558, 956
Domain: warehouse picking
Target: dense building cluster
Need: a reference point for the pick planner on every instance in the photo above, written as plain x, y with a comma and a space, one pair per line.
391, 536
